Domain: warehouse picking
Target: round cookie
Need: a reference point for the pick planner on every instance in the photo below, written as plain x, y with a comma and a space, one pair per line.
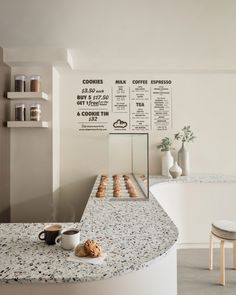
116, 187
116, 194
100, 194
101, 188
92, 248
80, 251
103, 183
96, 251
133, 193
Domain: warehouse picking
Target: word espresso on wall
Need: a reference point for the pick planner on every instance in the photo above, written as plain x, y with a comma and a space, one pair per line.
127, 105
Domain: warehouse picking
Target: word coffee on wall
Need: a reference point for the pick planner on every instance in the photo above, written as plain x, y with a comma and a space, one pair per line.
128, 105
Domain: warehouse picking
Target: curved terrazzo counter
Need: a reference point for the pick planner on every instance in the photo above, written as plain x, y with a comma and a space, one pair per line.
131, 233
135, 235
139, 238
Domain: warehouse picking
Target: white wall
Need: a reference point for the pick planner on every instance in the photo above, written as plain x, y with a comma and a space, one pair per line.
206, 101
82, 156
123, 35
31, 159
55, 141
5, 77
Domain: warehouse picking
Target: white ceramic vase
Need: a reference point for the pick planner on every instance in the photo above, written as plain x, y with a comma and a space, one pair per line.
183, 160
175, 170
166, 162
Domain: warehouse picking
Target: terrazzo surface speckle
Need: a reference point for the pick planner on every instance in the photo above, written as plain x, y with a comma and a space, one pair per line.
194, 178
133, 234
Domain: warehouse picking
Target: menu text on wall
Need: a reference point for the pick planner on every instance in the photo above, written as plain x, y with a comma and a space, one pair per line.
124, 105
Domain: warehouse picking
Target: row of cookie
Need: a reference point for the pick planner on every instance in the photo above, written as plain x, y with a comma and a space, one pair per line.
118, 188
128, 185
131, 188
101, 190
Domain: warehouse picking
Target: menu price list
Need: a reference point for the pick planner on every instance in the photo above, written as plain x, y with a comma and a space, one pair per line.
125, 105
93, 106
140, 107
161, 107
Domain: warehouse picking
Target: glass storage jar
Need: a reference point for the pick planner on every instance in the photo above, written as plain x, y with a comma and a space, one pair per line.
35, 83
35, 112
20, 83
20, 112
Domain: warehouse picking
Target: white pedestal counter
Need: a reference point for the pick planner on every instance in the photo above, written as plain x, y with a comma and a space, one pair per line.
194, 202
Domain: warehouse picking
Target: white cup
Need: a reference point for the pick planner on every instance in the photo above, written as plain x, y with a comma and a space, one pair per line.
68, 239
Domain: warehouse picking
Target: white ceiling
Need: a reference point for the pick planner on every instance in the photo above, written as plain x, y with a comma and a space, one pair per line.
107, 34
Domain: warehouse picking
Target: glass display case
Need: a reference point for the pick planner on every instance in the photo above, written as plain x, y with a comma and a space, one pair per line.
128, 171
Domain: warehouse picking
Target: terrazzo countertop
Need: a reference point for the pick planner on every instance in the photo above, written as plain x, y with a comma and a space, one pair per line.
194, 178
133, 234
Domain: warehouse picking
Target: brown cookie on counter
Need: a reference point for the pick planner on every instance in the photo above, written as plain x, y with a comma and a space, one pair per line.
116, 180
100, 194
93, 248
128, 181
133, 193
116, 194
96, 251
103, 183
116, 187
101, 188
80, 251
129, 185
131, 189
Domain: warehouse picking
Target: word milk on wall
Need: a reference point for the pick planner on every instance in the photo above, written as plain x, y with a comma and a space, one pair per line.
124, 105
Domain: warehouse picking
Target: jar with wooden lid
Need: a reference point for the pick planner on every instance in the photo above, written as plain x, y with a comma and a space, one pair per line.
35, 112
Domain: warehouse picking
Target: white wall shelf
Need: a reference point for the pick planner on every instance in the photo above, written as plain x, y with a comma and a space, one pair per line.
27, 95
27, 124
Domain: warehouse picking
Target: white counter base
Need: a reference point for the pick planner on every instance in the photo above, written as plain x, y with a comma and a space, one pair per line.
194, 206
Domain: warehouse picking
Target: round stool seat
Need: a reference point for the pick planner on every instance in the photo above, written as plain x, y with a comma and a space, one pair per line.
225, 229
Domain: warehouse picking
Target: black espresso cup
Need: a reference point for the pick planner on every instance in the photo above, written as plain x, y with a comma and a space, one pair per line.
50, 233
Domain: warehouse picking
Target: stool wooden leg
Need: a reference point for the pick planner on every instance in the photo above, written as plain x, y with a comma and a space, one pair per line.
222, 263
210, 252
234, 255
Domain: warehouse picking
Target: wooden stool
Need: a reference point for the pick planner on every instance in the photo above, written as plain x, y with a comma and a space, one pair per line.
225, 231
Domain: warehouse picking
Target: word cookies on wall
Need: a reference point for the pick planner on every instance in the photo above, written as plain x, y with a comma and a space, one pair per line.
128, 105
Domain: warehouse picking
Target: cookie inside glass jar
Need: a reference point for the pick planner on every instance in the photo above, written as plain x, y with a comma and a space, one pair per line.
35, 112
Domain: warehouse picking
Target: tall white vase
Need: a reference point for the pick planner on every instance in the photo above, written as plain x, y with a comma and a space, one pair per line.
166, 162
183, 160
